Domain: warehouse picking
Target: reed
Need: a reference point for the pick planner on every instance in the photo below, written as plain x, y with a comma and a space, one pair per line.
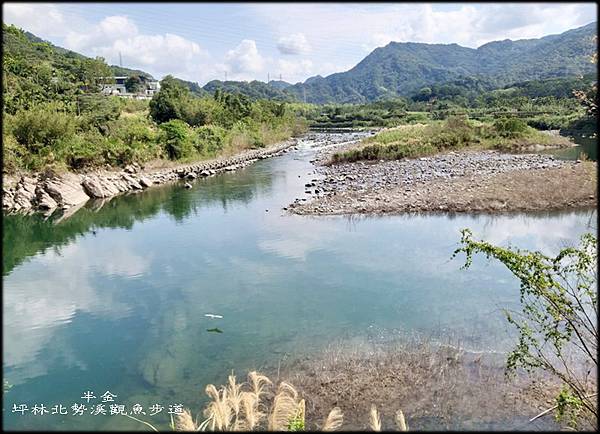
374, 419
244, 407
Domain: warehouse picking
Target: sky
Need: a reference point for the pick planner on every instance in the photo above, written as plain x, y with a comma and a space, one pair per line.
256, 41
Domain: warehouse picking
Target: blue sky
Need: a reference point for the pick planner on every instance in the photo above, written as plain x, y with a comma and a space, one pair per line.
246, 41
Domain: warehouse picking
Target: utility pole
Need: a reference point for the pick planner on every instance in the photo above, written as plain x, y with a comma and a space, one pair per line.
304, 89
120, 60
280, 77
268, 77
225, 75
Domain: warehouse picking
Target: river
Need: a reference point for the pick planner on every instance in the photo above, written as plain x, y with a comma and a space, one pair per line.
114, 298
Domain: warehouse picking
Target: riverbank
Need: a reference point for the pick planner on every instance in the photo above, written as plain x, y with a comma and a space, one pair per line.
461, 181
47, 193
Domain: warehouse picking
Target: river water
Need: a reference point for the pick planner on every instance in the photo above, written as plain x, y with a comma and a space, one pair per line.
114, 298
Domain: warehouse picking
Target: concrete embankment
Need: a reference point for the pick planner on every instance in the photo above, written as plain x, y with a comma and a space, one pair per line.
39, 192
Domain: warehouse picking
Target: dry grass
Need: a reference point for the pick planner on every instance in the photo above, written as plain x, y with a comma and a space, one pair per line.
334, 420
238, 407
374, 419
245, 407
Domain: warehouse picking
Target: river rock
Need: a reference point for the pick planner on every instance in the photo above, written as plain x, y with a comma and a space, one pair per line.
145, 182
44, 201
66, 190
132, 182
94, 188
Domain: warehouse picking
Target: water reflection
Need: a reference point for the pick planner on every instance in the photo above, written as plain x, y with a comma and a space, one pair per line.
123, 308
25, 236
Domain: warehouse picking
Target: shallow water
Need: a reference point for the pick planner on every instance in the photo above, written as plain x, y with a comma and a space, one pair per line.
114, 298
587, 147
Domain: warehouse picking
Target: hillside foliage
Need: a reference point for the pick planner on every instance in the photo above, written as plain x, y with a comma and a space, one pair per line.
54, 116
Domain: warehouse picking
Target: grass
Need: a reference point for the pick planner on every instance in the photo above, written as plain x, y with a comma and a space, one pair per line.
410, 141
251, 406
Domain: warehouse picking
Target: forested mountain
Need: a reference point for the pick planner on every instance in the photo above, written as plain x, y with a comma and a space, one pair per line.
279, 84
254, 89
401, 69
398, 69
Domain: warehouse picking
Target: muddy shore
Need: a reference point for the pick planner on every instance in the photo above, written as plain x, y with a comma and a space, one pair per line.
466, 181
47, 193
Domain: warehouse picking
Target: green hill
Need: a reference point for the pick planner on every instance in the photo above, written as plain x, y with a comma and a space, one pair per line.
254, 89
401, 69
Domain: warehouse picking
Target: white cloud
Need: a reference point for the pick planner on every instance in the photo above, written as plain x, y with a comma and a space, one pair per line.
159, 54
109, 30
118, 35
44, 20
293, 44
341, 35
244, 58
294, 70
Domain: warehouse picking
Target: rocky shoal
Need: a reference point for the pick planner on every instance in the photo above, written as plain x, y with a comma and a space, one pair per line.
338, 185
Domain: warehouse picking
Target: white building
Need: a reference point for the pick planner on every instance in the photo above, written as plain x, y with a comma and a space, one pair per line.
117, 87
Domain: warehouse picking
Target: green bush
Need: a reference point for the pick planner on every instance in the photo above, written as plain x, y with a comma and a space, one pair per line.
170, 102
82, 151
130, 105
176, 138
42, 126
210, 139
96, 110
133, 131
12, 154
510, 127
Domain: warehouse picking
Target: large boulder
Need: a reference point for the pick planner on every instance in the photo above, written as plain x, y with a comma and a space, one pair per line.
95, 188
67, 190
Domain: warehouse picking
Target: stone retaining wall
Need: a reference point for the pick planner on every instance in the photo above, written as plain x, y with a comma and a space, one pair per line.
40, 193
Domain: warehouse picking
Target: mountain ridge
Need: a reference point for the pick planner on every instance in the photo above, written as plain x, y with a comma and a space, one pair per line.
403, 68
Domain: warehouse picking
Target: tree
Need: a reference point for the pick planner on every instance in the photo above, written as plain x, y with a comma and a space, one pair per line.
134, 84
94, 73
177, 139
588, 97
558, 322
170, 102
423, 95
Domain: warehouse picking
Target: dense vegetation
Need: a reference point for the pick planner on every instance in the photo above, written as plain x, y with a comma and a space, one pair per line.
410, 69
454, 133
55, 117
254, 89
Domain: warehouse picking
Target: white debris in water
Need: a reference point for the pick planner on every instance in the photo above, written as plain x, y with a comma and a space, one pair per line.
212, 315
